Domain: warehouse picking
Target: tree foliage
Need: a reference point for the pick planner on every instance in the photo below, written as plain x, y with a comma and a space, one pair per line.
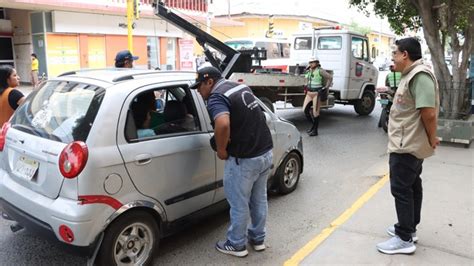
445, 24
354, 26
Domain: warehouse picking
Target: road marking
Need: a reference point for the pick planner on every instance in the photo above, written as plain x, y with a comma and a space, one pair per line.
315, 242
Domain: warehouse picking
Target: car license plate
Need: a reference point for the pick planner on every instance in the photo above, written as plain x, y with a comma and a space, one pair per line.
383, 101
26, 168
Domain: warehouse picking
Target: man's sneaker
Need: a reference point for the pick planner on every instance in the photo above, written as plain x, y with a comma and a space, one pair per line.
258, 245
391, 232
396, 245
227, 248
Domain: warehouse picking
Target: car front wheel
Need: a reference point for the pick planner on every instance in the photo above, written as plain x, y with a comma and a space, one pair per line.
288, 173
130, 240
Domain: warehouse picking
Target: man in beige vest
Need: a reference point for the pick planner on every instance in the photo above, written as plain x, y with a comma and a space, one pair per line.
412, 138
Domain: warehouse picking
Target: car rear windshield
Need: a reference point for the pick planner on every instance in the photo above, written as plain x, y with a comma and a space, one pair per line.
61, 111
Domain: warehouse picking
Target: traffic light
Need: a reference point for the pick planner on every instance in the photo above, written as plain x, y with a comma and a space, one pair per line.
136, 10
270, 27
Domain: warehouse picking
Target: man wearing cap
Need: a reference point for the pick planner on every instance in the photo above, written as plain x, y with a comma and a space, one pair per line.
317, 82
124, 59
243, 140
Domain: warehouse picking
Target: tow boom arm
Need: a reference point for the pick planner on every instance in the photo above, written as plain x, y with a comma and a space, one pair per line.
234, 61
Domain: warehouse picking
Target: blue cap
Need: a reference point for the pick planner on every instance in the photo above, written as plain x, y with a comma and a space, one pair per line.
125, 55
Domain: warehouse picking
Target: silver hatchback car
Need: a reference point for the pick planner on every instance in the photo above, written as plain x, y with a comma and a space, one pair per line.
110, 161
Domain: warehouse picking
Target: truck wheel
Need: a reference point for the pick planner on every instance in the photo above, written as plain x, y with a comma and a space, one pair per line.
307, 111
288, 174
129, 240
268, 103
366, 104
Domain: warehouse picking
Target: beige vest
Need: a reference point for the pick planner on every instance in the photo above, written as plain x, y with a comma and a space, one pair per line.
406, 132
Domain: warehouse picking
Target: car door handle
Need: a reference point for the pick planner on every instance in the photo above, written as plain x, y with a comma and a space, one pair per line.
142, 159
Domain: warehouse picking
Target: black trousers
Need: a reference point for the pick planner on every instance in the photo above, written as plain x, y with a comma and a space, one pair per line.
405, 184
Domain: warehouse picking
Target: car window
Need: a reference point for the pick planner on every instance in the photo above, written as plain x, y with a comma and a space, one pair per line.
160, 112
61, 110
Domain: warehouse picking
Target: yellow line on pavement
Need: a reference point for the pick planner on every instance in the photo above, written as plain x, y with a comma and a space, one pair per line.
315, 242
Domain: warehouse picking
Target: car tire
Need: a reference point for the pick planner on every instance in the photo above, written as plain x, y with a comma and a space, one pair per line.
267, 103
288, 174
366, 104
384, 120
130, 240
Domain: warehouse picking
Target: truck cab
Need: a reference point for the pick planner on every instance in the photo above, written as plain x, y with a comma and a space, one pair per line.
344, 52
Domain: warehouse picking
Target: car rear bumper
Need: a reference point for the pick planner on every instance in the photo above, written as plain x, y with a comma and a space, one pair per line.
42, 229
45, 215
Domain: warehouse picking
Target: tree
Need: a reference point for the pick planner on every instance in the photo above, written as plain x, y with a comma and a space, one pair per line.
354, 26
444, 22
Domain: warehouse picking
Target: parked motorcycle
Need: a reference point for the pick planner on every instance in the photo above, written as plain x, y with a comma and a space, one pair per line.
386, 100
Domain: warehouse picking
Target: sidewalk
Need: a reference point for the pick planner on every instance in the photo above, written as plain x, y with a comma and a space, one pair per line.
446, 229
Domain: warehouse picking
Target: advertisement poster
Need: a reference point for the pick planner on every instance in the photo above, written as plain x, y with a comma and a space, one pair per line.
186, 58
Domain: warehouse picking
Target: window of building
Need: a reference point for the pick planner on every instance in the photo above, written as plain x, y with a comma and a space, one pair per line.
153, 52
170, 63
2, 13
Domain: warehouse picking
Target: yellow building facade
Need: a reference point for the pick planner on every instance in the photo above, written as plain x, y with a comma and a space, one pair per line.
257, 26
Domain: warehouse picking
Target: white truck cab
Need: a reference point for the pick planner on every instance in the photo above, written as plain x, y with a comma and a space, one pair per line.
346, 53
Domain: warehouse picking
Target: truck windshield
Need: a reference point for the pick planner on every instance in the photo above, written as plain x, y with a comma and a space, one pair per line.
238, 45
60, 110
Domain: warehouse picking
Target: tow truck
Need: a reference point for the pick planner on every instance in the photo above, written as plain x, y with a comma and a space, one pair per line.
243, 66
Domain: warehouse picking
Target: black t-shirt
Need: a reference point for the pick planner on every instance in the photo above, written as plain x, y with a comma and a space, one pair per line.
14, 97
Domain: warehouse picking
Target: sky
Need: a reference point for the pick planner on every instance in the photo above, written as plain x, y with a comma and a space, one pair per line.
334, 10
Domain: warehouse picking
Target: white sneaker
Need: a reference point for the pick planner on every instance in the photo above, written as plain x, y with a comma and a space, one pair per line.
391, 232
396, 245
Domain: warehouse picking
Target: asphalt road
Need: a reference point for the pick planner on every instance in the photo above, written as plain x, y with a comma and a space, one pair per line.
340, 165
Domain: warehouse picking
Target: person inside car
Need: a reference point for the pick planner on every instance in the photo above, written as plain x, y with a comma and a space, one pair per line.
142, 117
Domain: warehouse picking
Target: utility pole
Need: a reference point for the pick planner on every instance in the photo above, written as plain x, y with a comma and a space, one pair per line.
132, 14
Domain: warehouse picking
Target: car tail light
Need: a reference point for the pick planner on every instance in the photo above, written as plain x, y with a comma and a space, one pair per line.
3, 135
73, 158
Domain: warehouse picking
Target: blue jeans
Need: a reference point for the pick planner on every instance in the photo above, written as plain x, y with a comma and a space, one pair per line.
245, 187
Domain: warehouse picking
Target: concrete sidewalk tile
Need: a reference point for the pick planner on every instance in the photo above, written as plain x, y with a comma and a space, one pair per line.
446, 226
351, 248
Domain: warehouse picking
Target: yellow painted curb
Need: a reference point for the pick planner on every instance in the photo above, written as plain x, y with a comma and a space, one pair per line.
315, 242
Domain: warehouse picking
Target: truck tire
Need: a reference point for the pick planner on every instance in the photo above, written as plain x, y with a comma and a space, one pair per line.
268, 103
366, 104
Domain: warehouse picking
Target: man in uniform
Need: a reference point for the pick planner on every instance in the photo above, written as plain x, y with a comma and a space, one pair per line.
244, 141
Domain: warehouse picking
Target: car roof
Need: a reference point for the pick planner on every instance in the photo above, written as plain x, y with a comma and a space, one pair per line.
111, 76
